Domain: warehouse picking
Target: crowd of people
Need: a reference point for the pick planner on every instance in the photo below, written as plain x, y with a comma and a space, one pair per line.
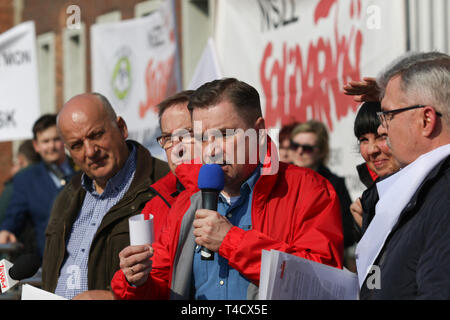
283, 198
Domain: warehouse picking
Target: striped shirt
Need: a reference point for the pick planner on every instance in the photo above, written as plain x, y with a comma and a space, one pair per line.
73, 278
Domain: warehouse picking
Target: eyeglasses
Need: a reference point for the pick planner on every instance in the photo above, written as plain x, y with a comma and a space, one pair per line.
386, 116
166, 141
219, 134
307, 148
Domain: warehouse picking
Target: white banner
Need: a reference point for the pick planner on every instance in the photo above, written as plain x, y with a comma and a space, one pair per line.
19, 86
135, 65
299, 54
207, 68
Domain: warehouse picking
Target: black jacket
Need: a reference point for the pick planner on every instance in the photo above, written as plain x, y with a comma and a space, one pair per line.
415, 259
344, 198
364, 174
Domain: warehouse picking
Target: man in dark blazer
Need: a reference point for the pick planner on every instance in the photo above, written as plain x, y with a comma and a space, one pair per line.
404, 252
36, 187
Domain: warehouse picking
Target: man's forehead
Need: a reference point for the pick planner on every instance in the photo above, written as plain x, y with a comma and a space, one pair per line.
393, 94
219, 116
175, 117
82, 107
46, 132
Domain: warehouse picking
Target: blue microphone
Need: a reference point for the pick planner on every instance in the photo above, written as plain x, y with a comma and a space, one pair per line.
211, 181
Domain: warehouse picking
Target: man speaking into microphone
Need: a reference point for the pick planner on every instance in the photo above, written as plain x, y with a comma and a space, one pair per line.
264, 204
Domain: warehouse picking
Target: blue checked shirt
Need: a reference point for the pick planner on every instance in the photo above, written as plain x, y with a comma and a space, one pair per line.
215, 279
74, 272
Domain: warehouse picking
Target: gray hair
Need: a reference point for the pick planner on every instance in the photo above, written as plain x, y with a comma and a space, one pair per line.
422, 74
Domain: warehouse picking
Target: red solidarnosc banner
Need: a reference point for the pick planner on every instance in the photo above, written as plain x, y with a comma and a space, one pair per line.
299, 54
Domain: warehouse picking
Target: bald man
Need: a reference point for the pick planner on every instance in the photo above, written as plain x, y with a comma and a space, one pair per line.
88, 226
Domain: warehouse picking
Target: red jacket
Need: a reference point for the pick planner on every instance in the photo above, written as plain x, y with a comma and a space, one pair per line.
167, 189
159, 205
295, 210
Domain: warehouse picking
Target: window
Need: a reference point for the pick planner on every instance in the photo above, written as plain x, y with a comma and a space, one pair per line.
197, 26
146, 7
46, 69
113, 16
74, 61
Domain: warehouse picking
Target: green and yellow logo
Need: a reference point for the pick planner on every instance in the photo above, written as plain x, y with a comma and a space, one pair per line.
121, 78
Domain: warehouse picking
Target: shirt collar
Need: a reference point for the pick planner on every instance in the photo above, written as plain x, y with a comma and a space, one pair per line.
248, 186
118, 180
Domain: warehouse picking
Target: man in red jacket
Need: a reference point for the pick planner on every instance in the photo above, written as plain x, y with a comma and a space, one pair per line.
176, 140
264, 205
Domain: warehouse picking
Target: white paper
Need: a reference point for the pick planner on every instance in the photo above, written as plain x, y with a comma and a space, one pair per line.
32, 293
294, 278
264, 275
141, 230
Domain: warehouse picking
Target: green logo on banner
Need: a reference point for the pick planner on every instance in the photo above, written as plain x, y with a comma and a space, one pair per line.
121, 78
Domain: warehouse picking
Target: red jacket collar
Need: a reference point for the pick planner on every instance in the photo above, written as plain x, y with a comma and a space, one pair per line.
187, 173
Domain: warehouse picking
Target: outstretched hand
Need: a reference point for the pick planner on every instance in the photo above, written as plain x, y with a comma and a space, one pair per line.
363, 91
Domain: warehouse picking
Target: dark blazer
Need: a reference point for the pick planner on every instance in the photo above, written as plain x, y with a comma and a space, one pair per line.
32, 198
415, 259
112, 234
344, 198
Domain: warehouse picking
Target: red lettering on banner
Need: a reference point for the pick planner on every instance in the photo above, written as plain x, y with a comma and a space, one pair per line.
323, 9
315, 84
160, 83
3, 281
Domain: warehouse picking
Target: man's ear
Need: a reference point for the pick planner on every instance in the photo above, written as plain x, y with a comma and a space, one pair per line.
260, 123
35, 145
429, 121
122, 125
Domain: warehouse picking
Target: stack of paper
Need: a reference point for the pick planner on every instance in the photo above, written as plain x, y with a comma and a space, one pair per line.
288, 277
33, 293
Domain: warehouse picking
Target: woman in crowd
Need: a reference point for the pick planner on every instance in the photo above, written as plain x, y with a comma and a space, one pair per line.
379, 162
309, 142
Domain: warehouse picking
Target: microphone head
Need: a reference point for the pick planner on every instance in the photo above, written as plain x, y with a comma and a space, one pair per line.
25, 266
211, 176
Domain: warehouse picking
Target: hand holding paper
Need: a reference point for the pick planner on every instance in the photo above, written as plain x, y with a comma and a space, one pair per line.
135, 260
135, 263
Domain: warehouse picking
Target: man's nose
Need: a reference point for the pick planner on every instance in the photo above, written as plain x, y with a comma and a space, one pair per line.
91, 148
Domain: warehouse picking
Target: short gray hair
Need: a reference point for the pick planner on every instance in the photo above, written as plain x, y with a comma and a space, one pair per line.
426, 74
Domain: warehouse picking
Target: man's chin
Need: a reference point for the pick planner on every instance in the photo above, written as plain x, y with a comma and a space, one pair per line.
51, 158
100, 173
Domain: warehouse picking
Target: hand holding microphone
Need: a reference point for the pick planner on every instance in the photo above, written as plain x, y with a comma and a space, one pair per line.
210, 228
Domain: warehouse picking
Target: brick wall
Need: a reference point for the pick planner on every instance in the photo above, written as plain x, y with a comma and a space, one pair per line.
51, 15
6, 22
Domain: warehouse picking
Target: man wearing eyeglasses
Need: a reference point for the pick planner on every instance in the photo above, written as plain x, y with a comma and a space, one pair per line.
264, 205
408, 239
177, 141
